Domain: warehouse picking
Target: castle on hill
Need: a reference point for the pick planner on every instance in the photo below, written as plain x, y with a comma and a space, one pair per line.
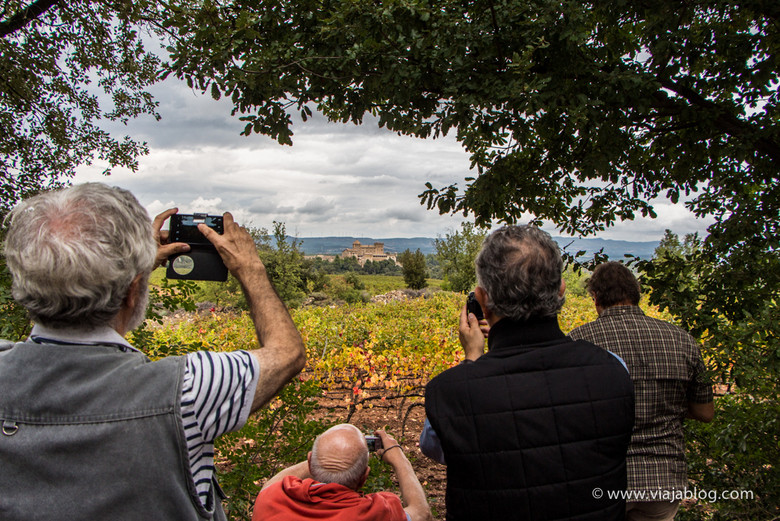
364, 252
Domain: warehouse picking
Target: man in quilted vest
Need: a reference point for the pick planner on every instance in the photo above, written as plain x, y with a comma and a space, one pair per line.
91, 428
537, 427
670, 381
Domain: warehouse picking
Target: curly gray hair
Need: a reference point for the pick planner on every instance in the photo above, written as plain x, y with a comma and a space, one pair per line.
520, 268
74, 252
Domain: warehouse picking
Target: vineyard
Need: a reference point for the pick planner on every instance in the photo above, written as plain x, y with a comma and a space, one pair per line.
367, 364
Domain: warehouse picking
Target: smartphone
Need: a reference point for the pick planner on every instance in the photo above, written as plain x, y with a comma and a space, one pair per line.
472, 306
373, 442
202, 262
184, 228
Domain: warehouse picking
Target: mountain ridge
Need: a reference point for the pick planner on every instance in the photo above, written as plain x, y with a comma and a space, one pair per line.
615, 249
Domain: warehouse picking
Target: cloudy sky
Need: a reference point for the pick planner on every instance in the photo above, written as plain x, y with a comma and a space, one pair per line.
336, 179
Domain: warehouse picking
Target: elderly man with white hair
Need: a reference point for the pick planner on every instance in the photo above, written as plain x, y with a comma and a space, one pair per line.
326, 486
91, 428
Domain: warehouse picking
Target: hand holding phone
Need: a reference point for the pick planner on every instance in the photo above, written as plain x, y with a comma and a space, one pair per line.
202, 262
472, 306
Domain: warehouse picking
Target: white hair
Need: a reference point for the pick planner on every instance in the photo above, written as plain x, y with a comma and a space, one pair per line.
352, 476
74, 252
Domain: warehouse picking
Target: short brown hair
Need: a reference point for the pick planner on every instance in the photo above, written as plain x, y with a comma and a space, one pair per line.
612, 283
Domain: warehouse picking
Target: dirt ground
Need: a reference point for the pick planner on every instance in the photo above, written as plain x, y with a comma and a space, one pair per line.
402, 419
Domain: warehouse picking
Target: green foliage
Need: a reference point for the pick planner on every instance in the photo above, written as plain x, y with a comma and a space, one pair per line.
736, 314
576, 281
164, 297
222, 294
744, 440
380, 479
379, 284
414, 268
670, 245
353, 279
433, 266
340, 288
55, 57
315, 280
351, 264
383, 267
337, 265
170, 296
456, 253
14, 324
284, 263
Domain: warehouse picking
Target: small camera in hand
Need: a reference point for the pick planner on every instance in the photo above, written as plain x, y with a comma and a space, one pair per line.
472, 306
202, 262
374, 443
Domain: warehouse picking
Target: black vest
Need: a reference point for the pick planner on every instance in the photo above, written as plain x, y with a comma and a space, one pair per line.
535, 429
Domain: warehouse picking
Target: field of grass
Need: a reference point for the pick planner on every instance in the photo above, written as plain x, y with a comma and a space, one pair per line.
378, 284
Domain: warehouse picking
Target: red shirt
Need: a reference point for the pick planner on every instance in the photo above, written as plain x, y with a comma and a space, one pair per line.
293, 499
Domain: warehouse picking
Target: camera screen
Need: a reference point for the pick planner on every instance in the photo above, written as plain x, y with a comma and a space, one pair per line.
374, 443
184, 228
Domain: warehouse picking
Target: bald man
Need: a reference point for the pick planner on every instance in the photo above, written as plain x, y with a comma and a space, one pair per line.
326, 486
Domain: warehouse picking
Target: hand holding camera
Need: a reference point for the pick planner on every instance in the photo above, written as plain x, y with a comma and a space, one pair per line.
202, 261
373, 442
384, 445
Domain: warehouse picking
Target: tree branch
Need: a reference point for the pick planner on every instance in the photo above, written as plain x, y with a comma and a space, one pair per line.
724, 121
24, 17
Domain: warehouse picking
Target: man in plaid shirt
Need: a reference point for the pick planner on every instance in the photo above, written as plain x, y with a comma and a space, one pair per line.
670, 384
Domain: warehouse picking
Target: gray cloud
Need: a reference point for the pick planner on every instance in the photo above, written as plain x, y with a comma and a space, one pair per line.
405, 215
337, 179
318, 206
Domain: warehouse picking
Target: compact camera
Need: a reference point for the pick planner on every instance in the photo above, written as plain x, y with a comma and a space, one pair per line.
472, 306
202, 262
374, 443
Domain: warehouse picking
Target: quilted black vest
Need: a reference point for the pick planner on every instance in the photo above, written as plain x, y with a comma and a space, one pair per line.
535, 429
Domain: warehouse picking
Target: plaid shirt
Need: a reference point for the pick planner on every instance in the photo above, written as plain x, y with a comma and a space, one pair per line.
666, 366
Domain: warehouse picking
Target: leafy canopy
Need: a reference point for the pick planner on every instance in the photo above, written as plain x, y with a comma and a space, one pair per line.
580, 113
64, 67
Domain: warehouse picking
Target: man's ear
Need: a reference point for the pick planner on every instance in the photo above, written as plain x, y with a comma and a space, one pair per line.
131, 298
308, 460
364, 478
562, 291
482, 297
596, 304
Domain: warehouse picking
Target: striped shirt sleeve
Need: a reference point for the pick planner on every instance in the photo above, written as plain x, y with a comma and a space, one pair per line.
217, 396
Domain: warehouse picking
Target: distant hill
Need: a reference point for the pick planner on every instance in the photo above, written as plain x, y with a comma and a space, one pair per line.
614, 249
